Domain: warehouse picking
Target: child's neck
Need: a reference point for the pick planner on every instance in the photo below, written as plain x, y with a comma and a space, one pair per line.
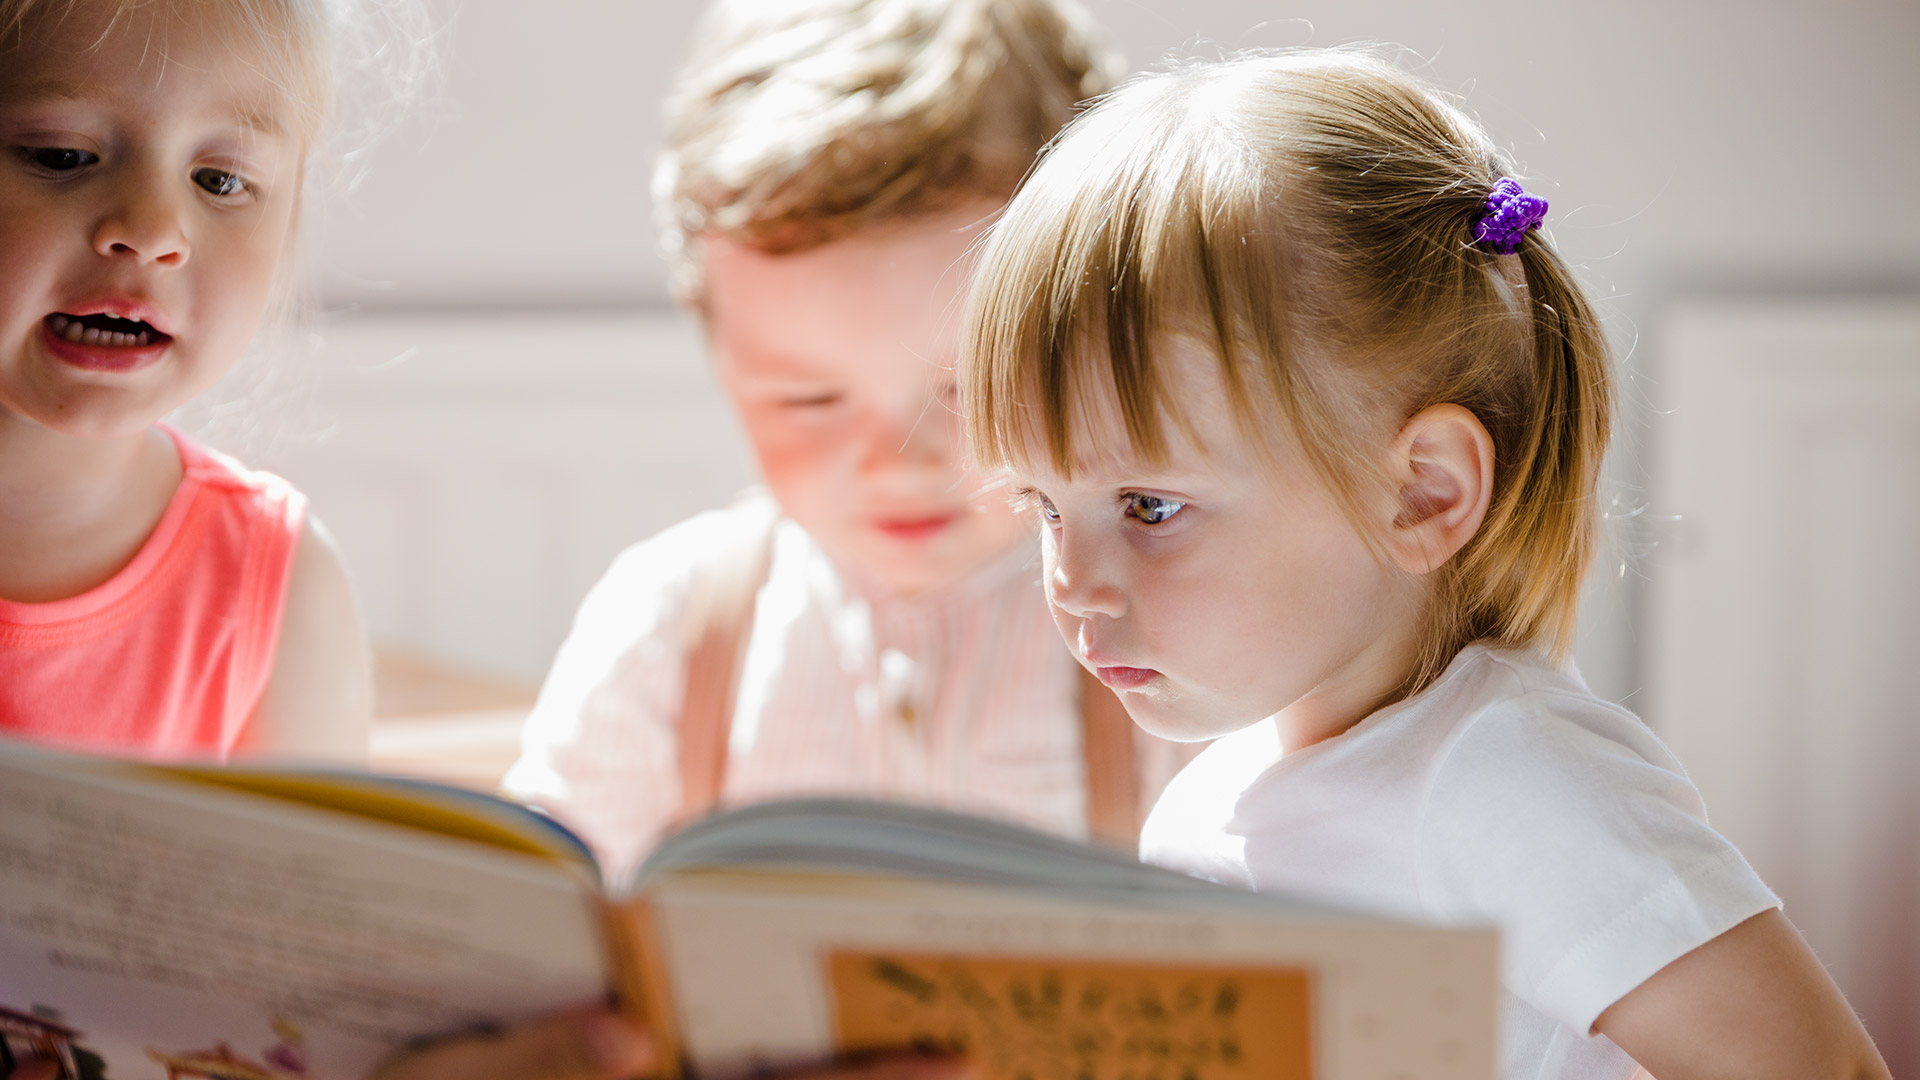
74, 510
1368, 683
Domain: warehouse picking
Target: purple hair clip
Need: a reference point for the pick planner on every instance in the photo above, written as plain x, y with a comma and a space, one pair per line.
1509, 213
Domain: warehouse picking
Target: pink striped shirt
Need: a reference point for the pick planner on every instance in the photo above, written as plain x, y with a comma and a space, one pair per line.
967, 699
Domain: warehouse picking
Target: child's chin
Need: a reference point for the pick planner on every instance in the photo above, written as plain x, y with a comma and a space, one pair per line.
1172, 723
96, 413
926, 566
914, 577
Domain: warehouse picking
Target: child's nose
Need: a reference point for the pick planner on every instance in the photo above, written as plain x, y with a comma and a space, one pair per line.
145, 224
1079, 577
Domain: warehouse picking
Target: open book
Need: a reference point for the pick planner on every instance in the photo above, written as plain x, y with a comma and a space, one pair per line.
162, 922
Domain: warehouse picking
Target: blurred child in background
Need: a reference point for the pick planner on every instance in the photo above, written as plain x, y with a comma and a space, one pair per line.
874, 625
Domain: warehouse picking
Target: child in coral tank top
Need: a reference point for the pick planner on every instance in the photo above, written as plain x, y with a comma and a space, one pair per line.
156, 597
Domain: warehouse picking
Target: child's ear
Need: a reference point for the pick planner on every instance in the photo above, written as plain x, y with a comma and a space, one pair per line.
1441, 470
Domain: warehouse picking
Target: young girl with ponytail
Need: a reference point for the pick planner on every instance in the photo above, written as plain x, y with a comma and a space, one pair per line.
1312, 417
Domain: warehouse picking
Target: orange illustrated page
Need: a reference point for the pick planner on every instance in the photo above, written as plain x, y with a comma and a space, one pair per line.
1072, 1019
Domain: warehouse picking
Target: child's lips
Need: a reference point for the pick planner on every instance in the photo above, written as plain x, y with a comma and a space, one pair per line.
922, 527
92, 348
1120, 677
123, 306
1109, 670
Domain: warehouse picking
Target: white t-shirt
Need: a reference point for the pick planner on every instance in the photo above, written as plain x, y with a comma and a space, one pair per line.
1505, 794
967, 699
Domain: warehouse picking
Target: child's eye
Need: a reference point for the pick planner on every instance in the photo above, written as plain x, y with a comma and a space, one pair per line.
219, 182
1151, 509
59, 159
1028, 500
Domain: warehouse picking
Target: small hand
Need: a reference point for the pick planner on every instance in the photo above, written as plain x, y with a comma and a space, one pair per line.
593, 1044
35, 1068
889, 1067
597, 1044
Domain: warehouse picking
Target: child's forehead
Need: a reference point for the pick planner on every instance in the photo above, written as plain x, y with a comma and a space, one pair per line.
111, 54
923, 253
77, 34
887, 298
259, 64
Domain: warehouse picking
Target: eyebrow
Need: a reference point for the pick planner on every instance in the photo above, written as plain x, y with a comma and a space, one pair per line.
778, 365
261, 121
47, 89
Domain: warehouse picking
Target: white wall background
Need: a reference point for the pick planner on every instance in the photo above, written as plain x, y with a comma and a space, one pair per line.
1783, 617
1681, 141
480, 469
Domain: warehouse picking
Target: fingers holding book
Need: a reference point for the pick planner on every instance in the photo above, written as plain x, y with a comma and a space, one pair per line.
890, 1066
594, 1044
597, 1044
35, 1068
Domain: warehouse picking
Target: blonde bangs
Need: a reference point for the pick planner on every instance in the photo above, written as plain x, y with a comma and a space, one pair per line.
1150, 205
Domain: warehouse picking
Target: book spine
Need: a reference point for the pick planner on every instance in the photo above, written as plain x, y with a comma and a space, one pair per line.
642, 990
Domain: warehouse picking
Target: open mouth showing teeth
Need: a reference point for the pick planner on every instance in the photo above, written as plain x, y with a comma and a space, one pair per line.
108, 330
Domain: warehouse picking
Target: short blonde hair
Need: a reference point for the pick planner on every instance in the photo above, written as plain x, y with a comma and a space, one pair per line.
795, 122
1307, 216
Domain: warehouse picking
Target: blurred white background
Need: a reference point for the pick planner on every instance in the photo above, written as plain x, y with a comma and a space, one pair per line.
511, 398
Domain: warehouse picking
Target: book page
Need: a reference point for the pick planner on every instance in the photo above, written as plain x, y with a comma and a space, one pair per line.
1075, 1019
152, 927
777, 972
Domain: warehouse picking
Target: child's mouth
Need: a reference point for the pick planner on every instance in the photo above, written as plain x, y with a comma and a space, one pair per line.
1125, 678
104, 331
919, 528
103, 343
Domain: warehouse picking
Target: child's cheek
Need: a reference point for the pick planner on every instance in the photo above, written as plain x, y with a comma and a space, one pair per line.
791, 465
810, 480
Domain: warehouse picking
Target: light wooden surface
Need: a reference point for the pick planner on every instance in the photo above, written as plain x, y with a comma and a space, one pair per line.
438, 721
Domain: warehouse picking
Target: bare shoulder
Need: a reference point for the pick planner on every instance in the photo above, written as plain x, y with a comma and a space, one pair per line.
319, 697
1751, 1004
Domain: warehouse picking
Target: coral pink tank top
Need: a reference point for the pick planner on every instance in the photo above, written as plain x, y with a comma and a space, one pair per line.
170, 655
